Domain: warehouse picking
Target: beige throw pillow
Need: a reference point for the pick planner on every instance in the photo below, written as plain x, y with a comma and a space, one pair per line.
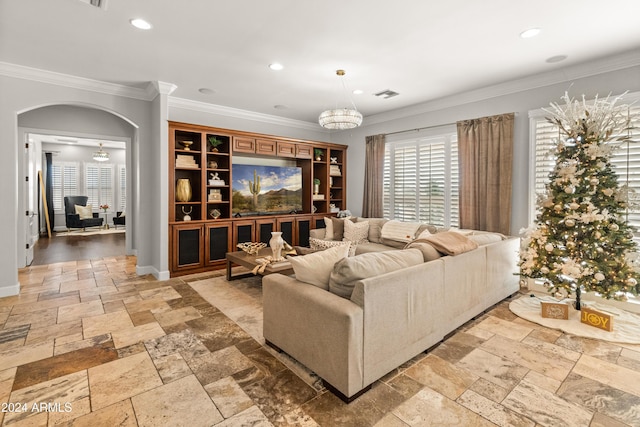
316, 268
334, 228
356, 232
84, 212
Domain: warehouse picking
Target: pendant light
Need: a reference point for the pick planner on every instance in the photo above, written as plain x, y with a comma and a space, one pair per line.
100, 155
341, 118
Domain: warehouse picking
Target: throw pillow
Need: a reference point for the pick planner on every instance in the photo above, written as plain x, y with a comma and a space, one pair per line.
348, 271
375, 227
84, 212
316, 268
121, 214
334, 228
321, 245
425, 233
356, 232
451, 243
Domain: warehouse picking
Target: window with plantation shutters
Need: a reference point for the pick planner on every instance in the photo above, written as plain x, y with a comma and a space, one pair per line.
99, 185
625, 160
122, 187
420, 180
65, 183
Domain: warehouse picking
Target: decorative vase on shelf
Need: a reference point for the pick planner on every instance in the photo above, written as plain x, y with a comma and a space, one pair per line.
276, 243
183, 190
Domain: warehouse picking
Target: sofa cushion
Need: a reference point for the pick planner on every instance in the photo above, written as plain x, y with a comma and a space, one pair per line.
486, 238
432, 229
316, 268
363, 248
399, 230
451, 242
85, 212
348, 271
429, 253
356, 232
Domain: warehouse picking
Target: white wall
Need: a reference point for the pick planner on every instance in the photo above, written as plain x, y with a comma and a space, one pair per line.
450, 110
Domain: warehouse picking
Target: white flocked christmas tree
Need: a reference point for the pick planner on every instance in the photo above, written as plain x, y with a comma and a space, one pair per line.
580, 240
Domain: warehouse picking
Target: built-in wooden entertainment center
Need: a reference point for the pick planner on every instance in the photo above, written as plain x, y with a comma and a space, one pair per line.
203, 226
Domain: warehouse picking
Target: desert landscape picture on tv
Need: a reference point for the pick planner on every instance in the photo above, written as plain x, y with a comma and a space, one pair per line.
265, 190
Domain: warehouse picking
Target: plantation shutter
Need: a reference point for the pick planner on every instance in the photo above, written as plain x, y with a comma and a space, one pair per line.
106, 186
92, 185
65, 183
122, 200
420, 180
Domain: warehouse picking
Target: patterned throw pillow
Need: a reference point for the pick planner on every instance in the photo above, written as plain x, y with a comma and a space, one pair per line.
320, 245
356, 232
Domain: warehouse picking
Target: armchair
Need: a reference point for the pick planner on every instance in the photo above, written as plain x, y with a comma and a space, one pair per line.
72, 219
118, 219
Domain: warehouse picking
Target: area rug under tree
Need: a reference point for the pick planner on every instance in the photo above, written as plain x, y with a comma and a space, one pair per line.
626, 325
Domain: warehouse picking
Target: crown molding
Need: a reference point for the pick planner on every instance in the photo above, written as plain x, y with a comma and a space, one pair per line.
161, 88
75, 82
560, 75
237, 113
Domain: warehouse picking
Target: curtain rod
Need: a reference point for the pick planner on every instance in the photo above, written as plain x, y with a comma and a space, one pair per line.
419, 129
434, 126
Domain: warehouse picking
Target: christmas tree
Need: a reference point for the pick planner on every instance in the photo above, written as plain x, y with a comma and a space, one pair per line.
580, 240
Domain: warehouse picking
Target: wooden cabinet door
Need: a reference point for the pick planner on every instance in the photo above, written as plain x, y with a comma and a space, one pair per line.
286, 149
186, 246
264, 227
243, 231
303, 227
244, 145
304, 151
287, 226
266, 147
217, 242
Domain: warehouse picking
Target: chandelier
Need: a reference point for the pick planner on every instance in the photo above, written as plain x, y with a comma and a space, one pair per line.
100, 156
341, 118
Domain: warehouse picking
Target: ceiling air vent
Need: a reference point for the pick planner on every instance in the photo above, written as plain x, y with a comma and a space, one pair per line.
102, 4
386, 94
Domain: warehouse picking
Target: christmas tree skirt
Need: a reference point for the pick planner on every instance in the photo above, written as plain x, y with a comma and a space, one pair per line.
626, 325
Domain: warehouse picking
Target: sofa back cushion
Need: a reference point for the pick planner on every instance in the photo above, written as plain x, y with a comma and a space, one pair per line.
429, 253
316, 268
375, 227
348, 271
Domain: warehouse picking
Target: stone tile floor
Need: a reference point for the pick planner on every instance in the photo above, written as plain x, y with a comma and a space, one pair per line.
91, 343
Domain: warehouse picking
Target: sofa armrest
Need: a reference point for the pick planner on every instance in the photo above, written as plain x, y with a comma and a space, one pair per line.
403, 315
319, 329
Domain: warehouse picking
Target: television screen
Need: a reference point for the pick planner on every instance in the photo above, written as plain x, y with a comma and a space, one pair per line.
265, 190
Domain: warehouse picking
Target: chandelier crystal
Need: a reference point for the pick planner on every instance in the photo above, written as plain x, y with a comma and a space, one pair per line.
100, 155
341, 118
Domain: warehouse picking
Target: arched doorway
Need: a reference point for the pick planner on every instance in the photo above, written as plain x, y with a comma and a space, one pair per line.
69, 122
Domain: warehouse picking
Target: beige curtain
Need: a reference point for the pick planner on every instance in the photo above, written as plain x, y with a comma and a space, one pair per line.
373, 164
485, 149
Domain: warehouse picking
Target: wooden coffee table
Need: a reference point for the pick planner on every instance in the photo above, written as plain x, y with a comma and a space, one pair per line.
249, 261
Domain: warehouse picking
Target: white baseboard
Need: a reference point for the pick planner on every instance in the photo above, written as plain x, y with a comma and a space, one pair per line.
9, 291
144, 270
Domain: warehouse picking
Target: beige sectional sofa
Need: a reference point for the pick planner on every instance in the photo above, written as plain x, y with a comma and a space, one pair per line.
389, 317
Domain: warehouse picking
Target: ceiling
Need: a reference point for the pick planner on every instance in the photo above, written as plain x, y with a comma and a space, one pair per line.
422, 49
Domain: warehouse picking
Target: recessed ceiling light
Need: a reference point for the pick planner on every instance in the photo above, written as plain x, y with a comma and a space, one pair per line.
206, 91
280, 107
276, 66
557, 58
531, 32
140, 23
358, 92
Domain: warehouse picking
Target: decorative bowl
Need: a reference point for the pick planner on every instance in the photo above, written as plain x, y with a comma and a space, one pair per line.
252, 248
186, 145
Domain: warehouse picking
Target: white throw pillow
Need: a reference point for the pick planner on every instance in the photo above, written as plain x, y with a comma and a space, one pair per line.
316, 268
84, 212
356, 232
121, 214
